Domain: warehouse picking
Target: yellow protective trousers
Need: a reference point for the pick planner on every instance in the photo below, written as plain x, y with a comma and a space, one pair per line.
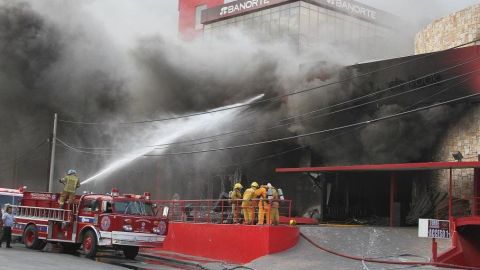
274, 216
248, 214
236, 213
66, 195
263, 210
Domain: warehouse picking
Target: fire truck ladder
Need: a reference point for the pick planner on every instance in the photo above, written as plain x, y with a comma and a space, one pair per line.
48, 214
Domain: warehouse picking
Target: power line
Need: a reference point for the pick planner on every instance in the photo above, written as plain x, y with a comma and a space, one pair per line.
320, 131
303, 116
326, 139
251, 131
272, 98
67, 146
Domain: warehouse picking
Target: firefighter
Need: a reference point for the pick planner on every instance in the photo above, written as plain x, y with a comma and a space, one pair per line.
263, 206
273, 199
71, 183
235, 197
248, 204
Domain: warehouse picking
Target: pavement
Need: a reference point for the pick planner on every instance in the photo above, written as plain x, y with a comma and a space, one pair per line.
399, 244
373, 242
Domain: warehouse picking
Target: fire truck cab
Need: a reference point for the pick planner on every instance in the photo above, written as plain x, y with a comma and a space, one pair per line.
93, 221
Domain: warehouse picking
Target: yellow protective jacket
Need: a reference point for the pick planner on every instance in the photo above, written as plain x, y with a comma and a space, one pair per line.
236, 195
71, 183
248, 195
261, 193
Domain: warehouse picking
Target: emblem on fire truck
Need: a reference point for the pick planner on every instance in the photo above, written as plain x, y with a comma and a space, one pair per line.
105, 223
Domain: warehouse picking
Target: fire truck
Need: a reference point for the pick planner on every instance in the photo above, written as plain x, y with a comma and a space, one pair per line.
93, 221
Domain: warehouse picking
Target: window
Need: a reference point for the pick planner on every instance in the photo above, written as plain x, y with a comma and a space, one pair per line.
89, 205
133, 208
198, 16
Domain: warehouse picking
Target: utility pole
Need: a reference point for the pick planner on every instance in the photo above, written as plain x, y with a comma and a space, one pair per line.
52, 155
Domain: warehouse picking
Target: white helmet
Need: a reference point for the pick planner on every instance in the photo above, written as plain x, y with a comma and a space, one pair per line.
71, 171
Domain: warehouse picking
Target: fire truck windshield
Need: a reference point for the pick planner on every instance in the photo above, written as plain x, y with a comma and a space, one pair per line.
8, 199
133, 208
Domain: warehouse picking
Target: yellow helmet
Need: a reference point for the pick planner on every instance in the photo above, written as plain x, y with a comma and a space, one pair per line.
238, 186
254, 184
293, 222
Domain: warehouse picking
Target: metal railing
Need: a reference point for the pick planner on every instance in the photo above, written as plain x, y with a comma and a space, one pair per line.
221, 211
53, 214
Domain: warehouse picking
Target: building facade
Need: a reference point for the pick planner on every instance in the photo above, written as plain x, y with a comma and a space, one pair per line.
458, 28
345, 25
464, 134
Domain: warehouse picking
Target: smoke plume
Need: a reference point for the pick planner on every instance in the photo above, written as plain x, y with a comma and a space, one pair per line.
74, 65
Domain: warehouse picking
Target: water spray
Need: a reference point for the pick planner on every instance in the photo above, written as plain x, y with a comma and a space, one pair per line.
181, 129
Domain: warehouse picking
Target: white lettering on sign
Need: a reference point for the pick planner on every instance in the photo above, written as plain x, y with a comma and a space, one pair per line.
42, 196
354, 8
250, 4
433, 228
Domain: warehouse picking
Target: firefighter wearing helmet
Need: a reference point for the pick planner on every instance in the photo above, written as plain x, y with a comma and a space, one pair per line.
236, 197
263, 206
248, 204
273, 196
71, 183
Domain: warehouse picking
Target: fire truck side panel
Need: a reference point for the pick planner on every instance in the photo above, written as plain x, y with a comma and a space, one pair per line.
61, 231
22, 223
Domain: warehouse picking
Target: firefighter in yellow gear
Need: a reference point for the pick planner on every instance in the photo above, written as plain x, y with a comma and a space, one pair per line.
273, 198
248, 204
236, 197
71, 183
263, 206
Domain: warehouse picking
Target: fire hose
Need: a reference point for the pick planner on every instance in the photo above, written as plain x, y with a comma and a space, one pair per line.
373, 260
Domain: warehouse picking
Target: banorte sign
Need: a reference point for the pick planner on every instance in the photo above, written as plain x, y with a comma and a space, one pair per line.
354, 8
243, 6
237, 7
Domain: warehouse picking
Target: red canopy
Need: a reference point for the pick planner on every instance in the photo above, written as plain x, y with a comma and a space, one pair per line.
386, 167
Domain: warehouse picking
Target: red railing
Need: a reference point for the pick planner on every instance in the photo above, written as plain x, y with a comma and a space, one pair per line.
220, 211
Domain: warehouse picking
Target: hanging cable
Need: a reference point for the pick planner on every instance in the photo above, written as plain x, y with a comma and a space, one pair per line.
272, 98
362, 123
324, 130
303, 117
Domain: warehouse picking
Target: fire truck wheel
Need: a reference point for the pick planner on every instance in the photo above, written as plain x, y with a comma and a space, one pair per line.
89, 244
130, 252
30, 238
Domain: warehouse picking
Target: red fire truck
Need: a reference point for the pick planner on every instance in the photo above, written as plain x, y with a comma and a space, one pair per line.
93, 221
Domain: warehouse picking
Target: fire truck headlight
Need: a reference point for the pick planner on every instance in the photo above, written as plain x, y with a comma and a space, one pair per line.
127, 228
162, 228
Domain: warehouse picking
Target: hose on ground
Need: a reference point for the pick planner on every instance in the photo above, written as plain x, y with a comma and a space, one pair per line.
372, 260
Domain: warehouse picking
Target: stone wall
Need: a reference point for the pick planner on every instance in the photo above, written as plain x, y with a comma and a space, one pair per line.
463, 136
458, 28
